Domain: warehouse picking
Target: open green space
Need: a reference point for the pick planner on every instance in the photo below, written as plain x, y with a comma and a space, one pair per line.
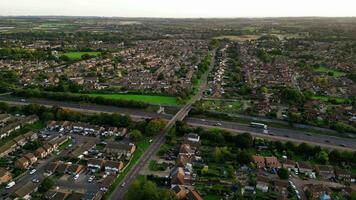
338, 100
76, 55
335, 73
165, 100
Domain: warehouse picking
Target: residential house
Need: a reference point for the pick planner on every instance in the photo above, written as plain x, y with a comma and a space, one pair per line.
31, 136
178, 176
119, 149
183, 160
121, 132
113, 167
31, 157
193, 195
342, 174
185, 149
259, 161
82, 150
95, 165
316, 191
25, 191
304, 168
5, 176
49, 149
180, 191
272, 162
7, 148
262, 183
192, 139
75, 169
325, 171
41, 153
22, 163
51, 168
289, 164
281, 187
62, 168
20, 140
107, 182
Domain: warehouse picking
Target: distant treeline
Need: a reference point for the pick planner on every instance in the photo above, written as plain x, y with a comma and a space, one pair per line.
60, 96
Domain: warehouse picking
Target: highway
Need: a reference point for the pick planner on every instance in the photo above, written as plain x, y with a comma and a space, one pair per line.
327, 141
278, 133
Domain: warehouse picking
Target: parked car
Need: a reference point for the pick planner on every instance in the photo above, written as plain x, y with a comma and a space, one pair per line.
91, 179
10, 185
35, 180
76, 177
33, 171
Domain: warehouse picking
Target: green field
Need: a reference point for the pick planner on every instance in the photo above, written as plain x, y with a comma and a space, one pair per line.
338, 100
325, 70
166, 100
78, 55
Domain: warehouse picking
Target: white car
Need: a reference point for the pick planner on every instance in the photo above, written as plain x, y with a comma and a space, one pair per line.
33, 171
35, 180
76, 177
10, 185
91, 179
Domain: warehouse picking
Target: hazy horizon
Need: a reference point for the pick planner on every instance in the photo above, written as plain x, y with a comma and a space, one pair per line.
179, 9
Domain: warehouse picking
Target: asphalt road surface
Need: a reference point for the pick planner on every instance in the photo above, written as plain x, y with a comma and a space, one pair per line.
279, 134
273, 133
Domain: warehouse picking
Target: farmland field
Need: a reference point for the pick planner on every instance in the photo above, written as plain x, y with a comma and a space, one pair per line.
166, 100
78, 55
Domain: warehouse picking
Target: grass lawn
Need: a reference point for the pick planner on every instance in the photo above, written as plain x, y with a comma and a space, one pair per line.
338, 100
164, 100
78, 55
336, 73
141, 148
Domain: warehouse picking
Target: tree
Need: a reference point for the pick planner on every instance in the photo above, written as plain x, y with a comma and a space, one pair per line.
147, 190
283, 173
323, 157
154, 127
46, 185
135, 135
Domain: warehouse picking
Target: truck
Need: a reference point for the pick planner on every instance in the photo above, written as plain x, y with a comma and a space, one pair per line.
258, 125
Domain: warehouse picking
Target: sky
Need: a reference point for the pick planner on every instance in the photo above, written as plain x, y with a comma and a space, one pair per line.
180, 8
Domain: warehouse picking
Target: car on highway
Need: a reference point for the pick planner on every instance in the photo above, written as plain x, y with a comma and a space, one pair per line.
342, 145
33, 171
150, 141
327, 141
23, 100
217, 124
10, 185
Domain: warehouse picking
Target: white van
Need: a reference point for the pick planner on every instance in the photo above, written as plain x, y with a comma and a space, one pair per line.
10, 185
